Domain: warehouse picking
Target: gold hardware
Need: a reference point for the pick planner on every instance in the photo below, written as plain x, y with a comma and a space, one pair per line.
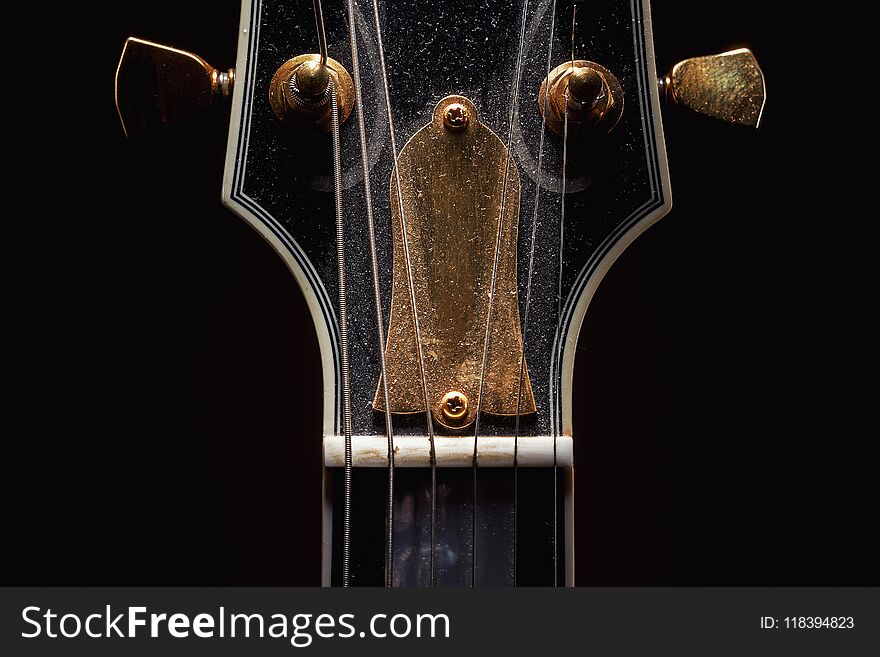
591, 94
729, 86
456, 117
311, 78
586, 86
451, 185
299, 93
158, 85
454, 406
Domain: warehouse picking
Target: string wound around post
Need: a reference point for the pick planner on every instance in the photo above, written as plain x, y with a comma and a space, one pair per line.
299, 93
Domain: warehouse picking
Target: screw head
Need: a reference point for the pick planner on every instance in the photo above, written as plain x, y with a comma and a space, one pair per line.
456, 117
311, 78
586, 86
454, 405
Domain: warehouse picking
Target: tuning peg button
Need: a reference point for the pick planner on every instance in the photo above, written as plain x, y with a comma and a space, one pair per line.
728, 86
157, 85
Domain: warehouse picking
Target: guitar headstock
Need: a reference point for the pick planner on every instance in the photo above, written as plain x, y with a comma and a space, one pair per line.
582, 184
491, 163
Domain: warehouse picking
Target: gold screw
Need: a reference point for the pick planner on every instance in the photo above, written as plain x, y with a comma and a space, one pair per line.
456, 117
312, 78
585, 85
454, 405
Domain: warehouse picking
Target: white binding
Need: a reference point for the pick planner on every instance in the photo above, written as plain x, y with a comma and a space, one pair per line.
323, 334
592, 284
324, 342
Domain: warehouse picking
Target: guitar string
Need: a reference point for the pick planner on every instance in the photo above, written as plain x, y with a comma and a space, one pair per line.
377, 296
343, 301
343, 340
493, 281
559, 297
412, 294
531, 268
319, 26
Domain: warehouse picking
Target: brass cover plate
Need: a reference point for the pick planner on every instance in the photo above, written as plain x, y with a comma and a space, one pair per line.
451, 182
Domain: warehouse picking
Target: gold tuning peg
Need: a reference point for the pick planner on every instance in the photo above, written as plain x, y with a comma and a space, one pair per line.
157, 85
729, 86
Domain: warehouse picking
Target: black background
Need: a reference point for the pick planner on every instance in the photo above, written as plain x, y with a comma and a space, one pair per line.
170, 428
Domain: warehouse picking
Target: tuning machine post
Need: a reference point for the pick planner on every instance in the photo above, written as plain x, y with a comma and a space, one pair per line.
584, 93
299, 92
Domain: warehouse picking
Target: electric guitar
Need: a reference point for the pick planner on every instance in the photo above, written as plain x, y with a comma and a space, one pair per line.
448, 182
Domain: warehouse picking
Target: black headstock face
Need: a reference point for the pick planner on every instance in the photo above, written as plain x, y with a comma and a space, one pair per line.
281, 182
